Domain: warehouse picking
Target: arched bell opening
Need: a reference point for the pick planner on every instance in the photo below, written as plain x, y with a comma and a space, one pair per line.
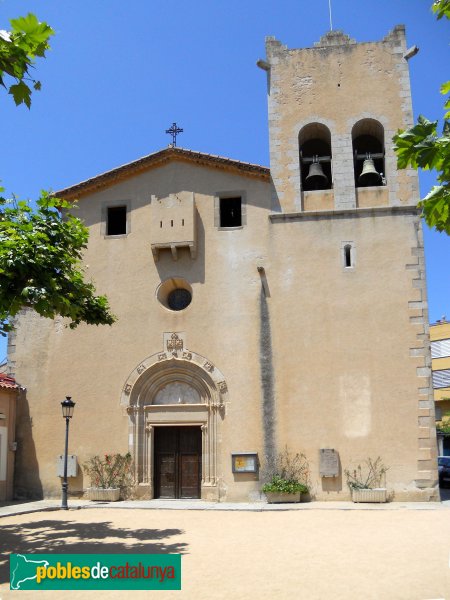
315, 157
169, 395
368, 153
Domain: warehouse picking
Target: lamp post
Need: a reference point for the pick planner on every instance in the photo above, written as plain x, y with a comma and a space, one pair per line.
67, 406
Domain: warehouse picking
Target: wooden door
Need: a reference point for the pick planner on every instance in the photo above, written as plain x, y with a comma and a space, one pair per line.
178, 454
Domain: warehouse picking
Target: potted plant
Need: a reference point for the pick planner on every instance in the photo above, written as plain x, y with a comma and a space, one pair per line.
287, 478
110, 477
366, 483
283, 490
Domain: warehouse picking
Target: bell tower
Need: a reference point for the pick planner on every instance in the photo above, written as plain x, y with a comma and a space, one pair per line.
346, 263
333, 110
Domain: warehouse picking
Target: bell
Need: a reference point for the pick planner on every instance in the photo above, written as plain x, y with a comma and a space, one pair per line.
369, 175
316, 178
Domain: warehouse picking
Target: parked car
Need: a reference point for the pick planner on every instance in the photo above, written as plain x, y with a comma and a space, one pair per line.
444, 470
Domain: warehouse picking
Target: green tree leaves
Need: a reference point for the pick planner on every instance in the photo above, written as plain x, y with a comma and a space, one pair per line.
19, 47
422, 147
40, 264
445, 89
40, 249
441, 8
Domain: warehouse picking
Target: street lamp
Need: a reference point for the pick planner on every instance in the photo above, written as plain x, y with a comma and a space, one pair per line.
67, 406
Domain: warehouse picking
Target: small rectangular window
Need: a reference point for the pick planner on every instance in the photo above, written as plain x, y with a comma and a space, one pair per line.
116, 220
348, 255
231, 212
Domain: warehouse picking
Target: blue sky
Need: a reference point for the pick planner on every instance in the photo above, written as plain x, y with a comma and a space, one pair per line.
120, 73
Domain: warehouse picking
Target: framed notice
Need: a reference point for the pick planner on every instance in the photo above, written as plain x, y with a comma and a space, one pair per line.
244, 462
329, 462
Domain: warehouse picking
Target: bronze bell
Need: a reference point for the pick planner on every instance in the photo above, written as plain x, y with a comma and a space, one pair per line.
316, 178
369, 175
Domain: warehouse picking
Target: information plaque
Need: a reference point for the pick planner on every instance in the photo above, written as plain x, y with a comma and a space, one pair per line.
329, 462
244, 462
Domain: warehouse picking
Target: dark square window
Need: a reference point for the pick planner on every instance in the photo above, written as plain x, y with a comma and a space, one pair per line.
116, 220
230, 212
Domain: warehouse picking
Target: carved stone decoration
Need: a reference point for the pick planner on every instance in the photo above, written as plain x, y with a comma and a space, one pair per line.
193, 392
177, 393
175, 343
223, 388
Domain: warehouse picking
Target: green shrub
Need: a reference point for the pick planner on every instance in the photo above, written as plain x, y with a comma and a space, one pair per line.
113, 471
278, 485
287, 473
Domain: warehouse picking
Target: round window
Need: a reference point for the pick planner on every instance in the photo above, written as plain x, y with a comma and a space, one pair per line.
179, 299
174, 293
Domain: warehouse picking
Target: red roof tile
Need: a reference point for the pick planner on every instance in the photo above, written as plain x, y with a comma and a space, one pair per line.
156, 159
8, 382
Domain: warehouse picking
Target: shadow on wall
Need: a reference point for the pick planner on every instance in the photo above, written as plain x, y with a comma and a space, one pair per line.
333, 484
246, 477
192, 270
27, 484
76, 484
70, 537
275, 205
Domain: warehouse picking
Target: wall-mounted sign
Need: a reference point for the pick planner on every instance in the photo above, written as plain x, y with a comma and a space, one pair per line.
72, 465
329, 462
244, 462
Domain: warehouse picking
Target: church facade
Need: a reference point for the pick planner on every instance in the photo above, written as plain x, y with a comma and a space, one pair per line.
258, 308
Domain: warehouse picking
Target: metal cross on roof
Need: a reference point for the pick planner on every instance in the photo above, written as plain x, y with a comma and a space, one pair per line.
174, 131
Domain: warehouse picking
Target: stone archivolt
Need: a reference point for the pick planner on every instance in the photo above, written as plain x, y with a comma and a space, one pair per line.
198, 391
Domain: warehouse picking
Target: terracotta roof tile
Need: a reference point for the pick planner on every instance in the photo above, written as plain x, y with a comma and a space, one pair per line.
8, 382
156, 159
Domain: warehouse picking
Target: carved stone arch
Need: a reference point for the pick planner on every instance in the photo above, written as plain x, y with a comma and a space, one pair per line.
156, 377
368, 143
376, 119
294, 150
314, 142
190, 362
144, 383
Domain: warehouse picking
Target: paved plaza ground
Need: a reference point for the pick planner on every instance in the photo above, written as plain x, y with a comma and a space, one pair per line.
325, 551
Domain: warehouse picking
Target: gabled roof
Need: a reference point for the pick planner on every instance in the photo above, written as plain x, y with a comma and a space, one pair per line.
8, 382
158, 159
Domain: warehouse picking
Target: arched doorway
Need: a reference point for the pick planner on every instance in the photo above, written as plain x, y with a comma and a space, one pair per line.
175, 405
